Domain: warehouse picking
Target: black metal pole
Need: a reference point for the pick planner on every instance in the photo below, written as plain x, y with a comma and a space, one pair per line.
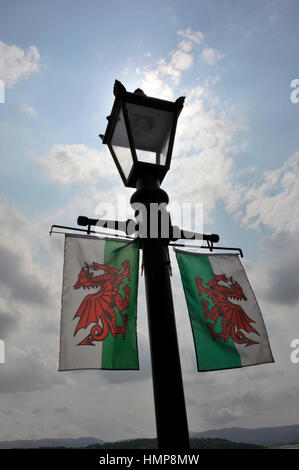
170, 408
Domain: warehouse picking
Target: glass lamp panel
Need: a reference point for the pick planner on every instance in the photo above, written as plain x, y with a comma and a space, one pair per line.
150, 129
164, 150
121, 146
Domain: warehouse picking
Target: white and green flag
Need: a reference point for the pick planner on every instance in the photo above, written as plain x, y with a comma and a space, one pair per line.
99, 304
226, 321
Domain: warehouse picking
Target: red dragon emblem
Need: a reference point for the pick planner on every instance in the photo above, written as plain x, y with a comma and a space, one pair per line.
233, 317
99, 307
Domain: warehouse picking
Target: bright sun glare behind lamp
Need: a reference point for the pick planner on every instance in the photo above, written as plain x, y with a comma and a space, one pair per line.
140, 134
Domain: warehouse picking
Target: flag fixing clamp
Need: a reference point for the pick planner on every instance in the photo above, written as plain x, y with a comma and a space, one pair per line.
129, 227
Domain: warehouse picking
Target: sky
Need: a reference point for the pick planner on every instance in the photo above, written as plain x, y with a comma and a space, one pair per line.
236, 152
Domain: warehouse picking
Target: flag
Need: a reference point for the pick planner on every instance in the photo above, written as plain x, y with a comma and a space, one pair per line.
226, 321
99, 304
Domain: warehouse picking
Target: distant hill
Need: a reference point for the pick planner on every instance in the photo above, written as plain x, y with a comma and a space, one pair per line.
263, 436
194, 444
34, 444
91, 443
215, 438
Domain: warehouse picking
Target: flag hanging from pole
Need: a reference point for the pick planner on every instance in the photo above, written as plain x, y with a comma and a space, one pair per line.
226, 321
99, 304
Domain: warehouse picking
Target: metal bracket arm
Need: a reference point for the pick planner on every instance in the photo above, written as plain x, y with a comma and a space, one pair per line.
129, 227
126, 226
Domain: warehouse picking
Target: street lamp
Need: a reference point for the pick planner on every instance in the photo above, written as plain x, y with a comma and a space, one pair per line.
140, 136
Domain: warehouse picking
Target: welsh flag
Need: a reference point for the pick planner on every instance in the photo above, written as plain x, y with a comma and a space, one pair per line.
226, 321
99, 304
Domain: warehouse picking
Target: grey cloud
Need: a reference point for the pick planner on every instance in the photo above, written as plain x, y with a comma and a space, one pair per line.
282, 264
61, 409
241, 405
237, 407
287, 396
284, 289
7, 412
22, 286
131, 430
8, 323
26, 372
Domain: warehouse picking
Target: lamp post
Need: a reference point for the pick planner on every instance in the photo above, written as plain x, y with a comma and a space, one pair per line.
140, 136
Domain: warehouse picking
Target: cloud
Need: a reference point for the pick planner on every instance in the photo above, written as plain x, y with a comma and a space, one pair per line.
212, 80
30, 286
181, 60
195, 36
73, 164
277, 272
186, 45
29, 111
16, 64
273, 201
8, 320
238, 406
210, 56
27, 370
21, 279
60, 409
283, 267
208, 135
205, 143
170, 13
154, 81
274, 18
